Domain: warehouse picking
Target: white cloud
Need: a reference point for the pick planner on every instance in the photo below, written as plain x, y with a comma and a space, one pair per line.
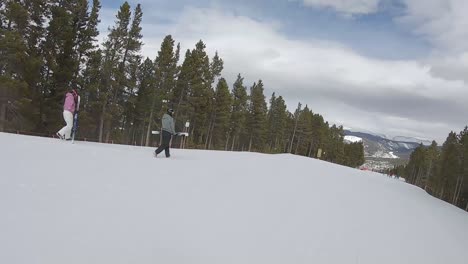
444, 24
348, 7
390, 97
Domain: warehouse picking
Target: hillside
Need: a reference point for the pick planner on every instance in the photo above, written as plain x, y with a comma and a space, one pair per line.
381, 152
98, 203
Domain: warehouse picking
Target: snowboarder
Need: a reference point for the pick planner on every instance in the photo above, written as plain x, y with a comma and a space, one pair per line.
69, 108
168, 130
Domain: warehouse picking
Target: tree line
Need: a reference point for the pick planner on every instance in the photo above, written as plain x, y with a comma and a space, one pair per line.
441, 171
50, 46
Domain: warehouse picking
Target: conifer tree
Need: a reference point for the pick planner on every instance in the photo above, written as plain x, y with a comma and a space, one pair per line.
297, 114
166, 71
13, 50
257, 117
89, 105
181, 90
354, 154
216, 66
222, 114
196, 86
432, 160
277, 118
121, 55
449, 168
239, 112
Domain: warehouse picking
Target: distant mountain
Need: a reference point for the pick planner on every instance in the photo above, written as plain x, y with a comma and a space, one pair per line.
425, 142
381, 152
376, 146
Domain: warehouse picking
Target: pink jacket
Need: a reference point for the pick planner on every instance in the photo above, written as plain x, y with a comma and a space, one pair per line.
69, 104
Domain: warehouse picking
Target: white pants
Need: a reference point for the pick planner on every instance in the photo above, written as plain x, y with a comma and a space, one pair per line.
66, 130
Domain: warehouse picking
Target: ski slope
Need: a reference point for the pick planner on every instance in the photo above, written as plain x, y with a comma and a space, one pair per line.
112, 204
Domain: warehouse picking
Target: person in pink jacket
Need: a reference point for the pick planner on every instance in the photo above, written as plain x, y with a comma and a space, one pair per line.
69, 107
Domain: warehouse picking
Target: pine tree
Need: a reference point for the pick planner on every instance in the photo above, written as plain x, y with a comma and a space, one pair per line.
13, 50
239, 112
69, 38
222, 114
257, 118
319, 134
280, 123
304, 132
22, 34
297, 114
166, 71
416, 166
144, 101
271, 120
276, 119
461, 191
354, 154
89, 105
121, 57
181, 90
216, 66
199, 93
449, 168
334, 148
432, 160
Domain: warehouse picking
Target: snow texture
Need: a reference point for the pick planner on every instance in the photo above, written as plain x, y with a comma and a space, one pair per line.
393, 155
384, 155
352, 139
96, 203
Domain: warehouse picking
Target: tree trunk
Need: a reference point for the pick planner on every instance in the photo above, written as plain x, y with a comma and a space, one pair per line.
458, 188
108, 131
294, 133
297, 146
142, 138
101, 122
428, 174
2, 117
310, 150
148, 130
211, 136
233, 142
227, 141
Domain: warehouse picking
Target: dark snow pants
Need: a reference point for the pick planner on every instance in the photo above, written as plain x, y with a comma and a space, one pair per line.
166, 139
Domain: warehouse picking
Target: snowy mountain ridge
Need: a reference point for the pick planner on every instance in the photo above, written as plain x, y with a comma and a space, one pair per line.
425, 142
377, 146
352, 139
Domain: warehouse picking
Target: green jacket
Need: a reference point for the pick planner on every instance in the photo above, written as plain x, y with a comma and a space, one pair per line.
168, 124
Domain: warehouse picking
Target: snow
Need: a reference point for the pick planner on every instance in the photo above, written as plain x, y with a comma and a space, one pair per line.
97, 203
352, 139
405, 145
384, 155
423, 141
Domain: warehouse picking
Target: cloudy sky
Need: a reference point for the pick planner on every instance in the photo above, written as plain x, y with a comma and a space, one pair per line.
396, 67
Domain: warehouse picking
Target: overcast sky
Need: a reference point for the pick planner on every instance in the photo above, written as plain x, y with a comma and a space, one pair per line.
396, 67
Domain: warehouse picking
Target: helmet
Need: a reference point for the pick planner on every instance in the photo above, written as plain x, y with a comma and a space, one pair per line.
170, 111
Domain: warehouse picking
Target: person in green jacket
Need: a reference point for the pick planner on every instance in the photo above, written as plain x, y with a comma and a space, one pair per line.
168, 130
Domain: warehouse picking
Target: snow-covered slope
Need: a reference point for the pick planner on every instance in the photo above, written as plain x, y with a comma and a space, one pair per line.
95, 203
352, 139
425, 142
